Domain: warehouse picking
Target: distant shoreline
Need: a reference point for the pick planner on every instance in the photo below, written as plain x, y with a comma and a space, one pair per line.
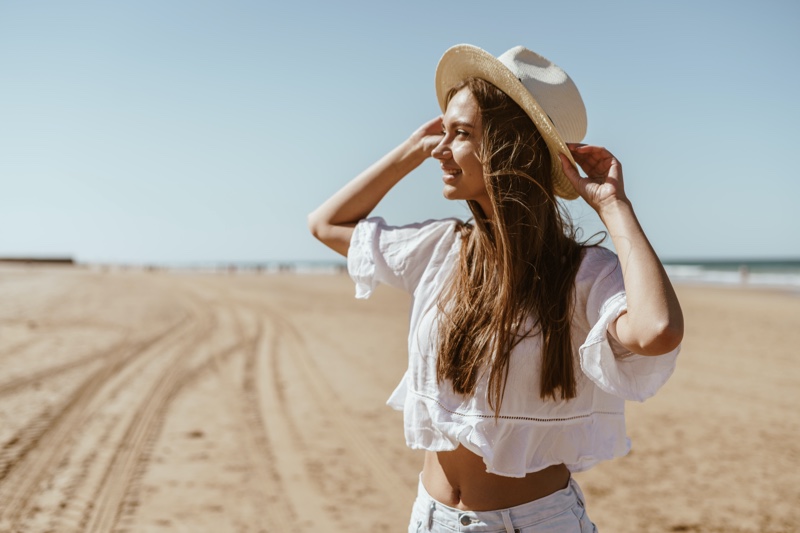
39, 260
782, 274
771, 263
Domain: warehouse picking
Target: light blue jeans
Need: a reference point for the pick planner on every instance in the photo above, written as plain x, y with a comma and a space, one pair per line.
560, 512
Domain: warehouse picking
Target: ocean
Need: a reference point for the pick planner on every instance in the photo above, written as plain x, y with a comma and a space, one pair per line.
741, 272
734, 272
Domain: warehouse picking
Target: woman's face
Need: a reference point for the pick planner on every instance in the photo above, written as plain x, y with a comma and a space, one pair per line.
458, 151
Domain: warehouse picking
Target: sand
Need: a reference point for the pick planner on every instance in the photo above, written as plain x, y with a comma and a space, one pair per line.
157, 401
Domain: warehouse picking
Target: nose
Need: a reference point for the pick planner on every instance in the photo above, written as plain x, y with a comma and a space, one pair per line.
442, 150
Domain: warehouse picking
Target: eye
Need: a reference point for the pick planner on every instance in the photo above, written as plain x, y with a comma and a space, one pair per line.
463, 133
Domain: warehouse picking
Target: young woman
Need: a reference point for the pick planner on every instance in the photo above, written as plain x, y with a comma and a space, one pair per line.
524, 343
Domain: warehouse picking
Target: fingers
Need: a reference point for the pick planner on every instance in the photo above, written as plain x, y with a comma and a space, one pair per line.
570, 171
434, 124
586, 156
585, 148
585, 152
596, 161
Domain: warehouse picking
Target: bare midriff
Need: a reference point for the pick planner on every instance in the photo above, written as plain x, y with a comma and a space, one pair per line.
459, 479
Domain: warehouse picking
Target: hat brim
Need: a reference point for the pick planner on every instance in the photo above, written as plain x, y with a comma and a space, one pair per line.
466, 61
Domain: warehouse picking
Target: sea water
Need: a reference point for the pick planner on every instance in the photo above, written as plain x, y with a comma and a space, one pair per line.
757, 273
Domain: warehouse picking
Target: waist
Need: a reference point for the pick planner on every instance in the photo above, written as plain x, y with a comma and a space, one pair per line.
546, 513
458, 479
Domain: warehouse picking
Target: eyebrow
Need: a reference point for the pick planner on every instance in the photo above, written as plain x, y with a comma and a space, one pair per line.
461, 123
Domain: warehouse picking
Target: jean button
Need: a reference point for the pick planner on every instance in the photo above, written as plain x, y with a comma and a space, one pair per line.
465, 520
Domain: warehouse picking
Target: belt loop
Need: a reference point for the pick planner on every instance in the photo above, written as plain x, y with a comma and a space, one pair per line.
578, 492
507, 520
430, 515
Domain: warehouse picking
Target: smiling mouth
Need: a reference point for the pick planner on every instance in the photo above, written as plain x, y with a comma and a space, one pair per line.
450, 173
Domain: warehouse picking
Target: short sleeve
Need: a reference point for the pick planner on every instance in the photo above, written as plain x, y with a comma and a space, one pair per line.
396, 255
612, 368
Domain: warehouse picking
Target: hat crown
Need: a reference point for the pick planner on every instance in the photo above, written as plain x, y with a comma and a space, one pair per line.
552, 88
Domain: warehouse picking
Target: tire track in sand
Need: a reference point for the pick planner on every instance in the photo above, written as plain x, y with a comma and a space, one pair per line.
29, 457
244, 401
328, 400
285, 447
283, 362
116, 508
15, 384
130, 457
118, 356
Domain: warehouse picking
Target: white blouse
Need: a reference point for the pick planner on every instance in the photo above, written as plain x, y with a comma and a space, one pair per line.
530, 433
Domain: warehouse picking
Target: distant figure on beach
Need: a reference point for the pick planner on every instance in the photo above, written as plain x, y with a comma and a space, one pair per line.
524, 342
744, 274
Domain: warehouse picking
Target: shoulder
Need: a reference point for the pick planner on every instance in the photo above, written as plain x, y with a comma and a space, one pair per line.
597, 263
431, 224
414, 235
598, 280
398, 255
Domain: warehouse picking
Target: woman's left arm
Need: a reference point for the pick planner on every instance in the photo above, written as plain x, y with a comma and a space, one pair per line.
653, 323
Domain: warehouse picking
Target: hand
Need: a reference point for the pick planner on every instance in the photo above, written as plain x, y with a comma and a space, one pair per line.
428, 136
603, 185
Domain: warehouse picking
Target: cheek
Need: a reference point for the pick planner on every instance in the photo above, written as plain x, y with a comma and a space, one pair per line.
474, 168
467, 159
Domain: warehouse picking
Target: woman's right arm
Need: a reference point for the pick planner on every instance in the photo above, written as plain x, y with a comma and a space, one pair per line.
333, 221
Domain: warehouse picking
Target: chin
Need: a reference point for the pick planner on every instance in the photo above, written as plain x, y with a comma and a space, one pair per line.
451, 194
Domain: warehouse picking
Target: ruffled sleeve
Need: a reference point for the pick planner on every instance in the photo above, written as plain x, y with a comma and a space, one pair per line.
396, 255
607, 363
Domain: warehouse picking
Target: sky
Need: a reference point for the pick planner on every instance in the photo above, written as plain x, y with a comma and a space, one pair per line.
196, 131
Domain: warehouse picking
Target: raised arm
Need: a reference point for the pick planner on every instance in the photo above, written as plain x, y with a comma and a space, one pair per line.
333, 221
653, 323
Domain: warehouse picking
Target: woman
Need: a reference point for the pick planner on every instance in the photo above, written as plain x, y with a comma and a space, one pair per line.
524, 344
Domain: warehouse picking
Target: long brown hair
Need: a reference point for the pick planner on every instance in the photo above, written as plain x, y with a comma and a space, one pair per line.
516, 272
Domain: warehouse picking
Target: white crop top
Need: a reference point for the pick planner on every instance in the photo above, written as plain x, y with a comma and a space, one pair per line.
530, 433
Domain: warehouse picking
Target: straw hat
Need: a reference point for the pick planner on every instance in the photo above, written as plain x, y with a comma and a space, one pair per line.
540, 87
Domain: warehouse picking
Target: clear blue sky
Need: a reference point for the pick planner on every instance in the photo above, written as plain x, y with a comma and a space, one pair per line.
181, 131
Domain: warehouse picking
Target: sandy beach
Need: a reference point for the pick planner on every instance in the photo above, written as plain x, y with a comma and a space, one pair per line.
157, 401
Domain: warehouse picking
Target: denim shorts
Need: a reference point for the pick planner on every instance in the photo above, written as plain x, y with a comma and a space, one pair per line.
560, 512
